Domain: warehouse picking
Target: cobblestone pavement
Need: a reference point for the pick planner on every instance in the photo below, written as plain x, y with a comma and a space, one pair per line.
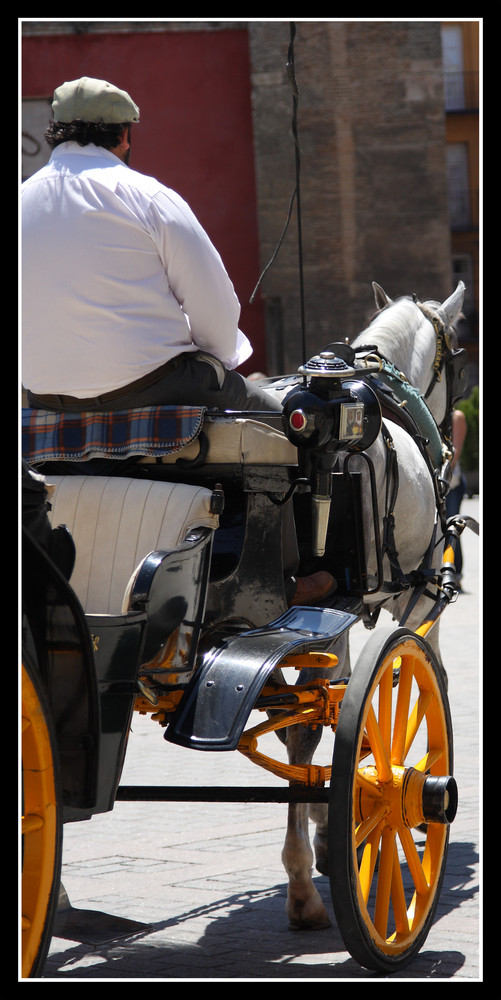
205, 883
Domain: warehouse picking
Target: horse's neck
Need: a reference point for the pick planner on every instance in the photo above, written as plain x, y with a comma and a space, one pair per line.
404, 337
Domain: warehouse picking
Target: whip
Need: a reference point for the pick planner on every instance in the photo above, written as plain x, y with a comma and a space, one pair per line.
296, 194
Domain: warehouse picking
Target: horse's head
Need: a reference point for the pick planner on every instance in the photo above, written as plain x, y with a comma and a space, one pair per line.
419, 338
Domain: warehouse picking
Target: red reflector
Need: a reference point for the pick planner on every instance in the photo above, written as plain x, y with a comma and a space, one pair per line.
297, 420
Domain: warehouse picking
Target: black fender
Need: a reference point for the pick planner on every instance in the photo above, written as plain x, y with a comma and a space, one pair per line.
223, 691
55, 629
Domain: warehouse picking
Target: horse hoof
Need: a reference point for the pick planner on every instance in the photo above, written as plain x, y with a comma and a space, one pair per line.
304, 917
322, 865
309, 925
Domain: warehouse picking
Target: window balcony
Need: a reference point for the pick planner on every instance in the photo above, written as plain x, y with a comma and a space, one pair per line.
461, 90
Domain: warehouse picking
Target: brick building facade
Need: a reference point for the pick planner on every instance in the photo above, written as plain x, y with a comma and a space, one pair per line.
371, 128
373, 182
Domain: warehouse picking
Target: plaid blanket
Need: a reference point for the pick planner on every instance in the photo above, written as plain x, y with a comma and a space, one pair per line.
78, 437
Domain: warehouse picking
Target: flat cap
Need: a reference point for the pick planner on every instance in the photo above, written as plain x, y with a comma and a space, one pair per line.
91, 100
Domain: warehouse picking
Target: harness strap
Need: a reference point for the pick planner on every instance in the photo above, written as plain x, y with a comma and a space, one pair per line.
409, 408
426, 574
400, 580
415, 403
440, 350
392, 482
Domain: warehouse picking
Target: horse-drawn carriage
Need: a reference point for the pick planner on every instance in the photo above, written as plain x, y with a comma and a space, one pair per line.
176, 601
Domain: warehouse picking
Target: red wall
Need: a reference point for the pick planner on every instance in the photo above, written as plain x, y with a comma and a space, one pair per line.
195, 135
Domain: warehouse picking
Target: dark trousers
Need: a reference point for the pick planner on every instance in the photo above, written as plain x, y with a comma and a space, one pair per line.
191, 379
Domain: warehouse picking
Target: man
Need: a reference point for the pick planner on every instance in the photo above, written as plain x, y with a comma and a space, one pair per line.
126, 302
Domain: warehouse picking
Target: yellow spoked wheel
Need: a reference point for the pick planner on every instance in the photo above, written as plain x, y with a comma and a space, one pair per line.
392, 799
41, 824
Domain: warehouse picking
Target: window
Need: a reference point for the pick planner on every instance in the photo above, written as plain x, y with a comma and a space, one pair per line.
452, 54
458, 186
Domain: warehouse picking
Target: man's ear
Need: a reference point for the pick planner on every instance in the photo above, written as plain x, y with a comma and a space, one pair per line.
122, 149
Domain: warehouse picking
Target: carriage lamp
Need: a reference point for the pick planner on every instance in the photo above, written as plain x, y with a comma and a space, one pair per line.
335, 410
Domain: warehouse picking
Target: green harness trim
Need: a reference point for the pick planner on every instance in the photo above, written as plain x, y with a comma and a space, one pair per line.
416, 404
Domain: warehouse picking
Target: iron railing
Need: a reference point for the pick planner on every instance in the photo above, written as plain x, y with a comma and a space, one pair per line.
461, 90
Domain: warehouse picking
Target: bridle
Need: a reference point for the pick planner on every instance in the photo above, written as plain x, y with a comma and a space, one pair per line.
453, 360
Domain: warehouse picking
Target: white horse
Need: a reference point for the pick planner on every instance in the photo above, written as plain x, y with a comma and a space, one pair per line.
406, 333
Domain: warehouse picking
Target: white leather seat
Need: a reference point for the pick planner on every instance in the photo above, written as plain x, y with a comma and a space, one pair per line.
115, 522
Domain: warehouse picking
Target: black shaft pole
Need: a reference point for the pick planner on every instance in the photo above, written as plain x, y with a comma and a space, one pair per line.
221, 793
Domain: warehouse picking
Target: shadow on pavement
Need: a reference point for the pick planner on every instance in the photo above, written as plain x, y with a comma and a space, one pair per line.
245, 936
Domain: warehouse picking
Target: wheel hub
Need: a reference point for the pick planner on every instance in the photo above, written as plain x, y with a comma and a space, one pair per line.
409, 797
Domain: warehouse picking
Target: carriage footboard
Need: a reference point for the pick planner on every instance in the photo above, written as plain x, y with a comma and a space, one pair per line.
213, 712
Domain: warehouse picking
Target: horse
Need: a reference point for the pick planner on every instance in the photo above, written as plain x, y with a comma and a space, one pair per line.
414, 336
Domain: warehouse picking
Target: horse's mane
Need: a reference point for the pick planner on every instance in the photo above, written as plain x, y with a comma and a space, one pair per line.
392, 328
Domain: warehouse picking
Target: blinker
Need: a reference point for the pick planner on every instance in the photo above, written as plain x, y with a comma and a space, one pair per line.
457, 374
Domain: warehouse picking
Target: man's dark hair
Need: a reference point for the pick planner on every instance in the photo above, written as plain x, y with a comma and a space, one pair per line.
84, 133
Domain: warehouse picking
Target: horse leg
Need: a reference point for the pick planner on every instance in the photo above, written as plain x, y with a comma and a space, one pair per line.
305, 909
319, 813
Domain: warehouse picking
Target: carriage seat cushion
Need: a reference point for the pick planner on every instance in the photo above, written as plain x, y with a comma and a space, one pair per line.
48, 436
238, 441
155, 432
115, 522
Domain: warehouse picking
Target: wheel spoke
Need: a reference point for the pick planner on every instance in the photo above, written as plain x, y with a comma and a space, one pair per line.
433, 852
384, 709
378, 747
416, 719
429, 759
413, 860
398, 895
364, 828
368, 862
384, 882
402, 709
373, 790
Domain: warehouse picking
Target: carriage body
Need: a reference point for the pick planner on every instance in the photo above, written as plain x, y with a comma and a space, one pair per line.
145, 626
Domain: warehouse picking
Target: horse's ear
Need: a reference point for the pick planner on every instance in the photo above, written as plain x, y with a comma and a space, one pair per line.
450, 310
380, 296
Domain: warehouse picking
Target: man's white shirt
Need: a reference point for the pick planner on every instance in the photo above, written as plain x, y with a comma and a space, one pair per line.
118, 277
